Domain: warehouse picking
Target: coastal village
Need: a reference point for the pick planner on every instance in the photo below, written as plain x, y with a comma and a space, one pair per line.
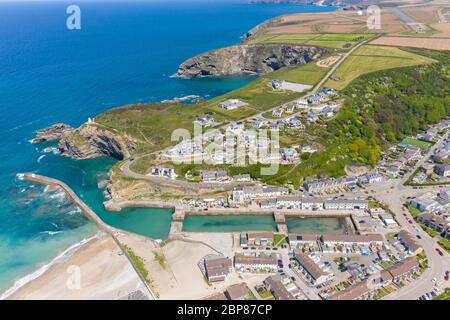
371, 257
379, 231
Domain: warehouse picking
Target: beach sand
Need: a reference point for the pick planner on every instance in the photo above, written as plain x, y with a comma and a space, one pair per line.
104, 274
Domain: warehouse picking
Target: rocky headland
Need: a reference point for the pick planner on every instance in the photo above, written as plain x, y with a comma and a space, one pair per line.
52, 133
87, 141
247, 59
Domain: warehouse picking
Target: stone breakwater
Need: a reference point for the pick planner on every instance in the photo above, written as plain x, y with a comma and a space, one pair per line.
113, 232
247, 59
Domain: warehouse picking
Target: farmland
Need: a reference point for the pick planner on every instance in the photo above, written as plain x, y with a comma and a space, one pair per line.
429, 43
152, 124
370, 58
309, 73
327, 40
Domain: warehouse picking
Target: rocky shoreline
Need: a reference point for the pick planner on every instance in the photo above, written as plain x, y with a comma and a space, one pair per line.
247, 59
86, 142
52, 133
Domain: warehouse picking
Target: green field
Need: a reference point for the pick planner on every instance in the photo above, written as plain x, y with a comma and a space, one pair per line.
327, 40
153, 124
370, 58
258, 94
309, 73
418, 143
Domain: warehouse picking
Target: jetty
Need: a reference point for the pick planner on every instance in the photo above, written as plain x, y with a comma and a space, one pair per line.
89, 213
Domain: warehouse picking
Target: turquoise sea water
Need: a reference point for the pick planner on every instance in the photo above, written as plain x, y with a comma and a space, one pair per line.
229, 223
311, 225
124, 53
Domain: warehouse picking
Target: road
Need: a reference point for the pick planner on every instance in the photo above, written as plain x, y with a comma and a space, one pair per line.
125, 168
437, 145
403, 16
308, 292
394, 194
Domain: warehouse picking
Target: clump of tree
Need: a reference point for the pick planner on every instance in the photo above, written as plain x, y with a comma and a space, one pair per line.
384, 107
380, 109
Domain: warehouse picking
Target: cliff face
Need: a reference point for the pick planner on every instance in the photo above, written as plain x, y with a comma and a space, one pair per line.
90, 141
247, 59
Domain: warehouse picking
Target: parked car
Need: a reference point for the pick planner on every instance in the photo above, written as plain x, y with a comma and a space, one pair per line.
440, 252
418, 237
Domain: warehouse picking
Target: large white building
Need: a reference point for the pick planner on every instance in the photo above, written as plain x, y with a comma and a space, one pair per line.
241, 194
232, 104
345, 204
336, 239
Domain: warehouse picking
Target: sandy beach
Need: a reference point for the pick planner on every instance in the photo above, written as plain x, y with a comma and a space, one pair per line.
103, 272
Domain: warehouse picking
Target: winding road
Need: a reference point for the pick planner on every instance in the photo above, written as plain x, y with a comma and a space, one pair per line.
125, 168
394, 194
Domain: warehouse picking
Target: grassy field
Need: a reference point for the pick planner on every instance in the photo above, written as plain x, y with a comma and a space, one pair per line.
141, 165
309, 73
153, 124
418, 143
369, 58
258, 94
327, 40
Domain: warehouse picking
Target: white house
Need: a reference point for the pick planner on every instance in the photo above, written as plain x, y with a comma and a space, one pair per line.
232, 104
256, 263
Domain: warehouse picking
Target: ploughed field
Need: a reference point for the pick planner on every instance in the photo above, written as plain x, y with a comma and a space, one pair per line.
343, 41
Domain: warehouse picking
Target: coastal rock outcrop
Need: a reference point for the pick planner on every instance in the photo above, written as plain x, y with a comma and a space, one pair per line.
247, 59
52, 133
91, 141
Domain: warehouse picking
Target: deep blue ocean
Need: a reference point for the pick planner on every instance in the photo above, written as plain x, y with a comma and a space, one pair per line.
124, 53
